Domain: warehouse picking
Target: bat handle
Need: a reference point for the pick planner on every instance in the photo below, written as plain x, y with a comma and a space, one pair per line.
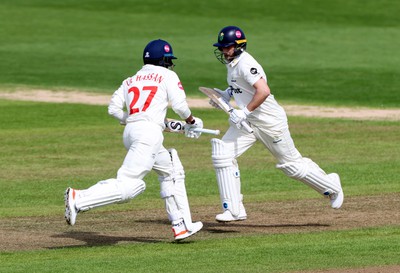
246, 126
206, 131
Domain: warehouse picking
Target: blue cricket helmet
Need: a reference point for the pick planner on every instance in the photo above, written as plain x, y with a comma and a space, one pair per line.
231, 35
158, 52
228, 36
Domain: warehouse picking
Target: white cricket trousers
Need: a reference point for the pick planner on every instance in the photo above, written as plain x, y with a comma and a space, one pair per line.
143, 141
280, 145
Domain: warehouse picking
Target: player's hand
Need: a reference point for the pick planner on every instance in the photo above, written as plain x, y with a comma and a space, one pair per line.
238, 116
190, 131
225, 94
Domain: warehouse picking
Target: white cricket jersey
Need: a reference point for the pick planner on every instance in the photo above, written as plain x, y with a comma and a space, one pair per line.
243, 73
147, 94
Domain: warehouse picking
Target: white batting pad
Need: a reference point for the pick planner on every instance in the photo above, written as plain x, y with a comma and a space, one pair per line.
107, 192
228, 176
311, 174
173, 191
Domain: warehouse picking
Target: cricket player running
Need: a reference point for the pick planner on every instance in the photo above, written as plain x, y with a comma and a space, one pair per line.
146, 96
258, 107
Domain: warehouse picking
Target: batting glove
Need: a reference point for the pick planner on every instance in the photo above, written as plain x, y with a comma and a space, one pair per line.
225, 94
238, 116
190, 129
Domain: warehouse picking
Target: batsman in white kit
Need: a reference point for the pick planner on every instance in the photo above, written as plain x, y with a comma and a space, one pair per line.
259, 117
141, 103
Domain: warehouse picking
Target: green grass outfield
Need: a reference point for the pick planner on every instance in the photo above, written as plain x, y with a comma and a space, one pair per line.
44, 154
337, 53
276, 253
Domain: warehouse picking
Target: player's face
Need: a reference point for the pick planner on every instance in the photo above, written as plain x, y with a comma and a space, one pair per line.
228, 52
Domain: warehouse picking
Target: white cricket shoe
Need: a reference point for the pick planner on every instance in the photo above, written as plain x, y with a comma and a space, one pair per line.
70, 209
181, 232
227, 216
336, 198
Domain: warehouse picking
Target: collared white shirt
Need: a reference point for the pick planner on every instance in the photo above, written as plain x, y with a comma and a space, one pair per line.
243, 72
147, 94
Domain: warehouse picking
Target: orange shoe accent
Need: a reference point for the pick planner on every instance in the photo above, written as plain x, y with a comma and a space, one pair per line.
73, 194
180, 233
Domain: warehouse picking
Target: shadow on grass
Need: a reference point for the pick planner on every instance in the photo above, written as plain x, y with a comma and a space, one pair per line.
92, 239
235, 227
95, 239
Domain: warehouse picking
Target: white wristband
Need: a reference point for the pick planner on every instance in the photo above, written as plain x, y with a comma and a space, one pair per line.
246, 111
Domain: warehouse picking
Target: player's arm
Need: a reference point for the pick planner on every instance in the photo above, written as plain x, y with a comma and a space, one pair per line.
179, 104
117, 104
190, 119
182, 109
262, 92
177, 97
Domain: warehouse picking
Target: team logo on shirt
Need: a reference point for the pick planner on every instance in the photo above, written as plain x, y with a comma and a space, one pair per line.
180, 85
253, 71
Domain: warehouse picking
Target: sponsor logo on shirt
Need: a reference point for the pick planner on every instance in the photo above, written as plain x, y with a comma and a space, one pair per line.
236, 90
253, 71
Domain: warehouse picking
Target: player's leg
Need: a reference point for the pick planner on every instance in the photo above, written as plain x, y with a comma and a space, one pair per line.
301, 168
308, 172
224, 153
103, 193
173, 191
128, 183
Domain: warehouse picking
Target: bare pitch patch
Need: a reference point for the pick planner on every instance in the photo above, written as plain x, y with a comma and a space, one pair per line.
98, 228
292, 110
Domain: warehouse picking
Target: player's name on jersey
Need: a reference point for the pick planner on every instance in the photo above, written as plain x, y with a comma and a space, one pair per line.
150, 77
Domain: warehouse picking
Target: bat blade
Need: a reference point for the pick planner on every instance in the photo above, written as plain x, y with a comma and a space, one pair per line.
216, 97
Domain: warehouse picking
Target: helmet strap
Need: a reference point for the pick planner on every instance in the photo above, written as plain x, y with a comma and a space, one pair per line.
239, 49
